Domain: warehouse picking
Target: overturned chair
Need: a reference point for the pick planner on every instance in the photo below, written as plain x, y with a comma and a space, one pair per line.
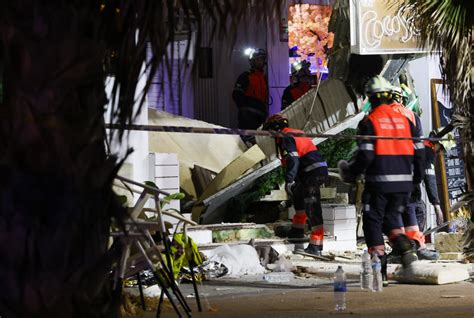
153, 252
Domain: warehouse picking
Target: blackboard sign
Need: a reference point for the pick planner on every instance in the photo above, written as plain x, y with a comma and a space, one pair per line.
454, 172
450, 167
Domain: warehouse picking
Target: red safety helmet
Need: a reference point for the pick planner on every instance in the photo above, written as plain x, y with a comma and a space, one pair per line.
275, 122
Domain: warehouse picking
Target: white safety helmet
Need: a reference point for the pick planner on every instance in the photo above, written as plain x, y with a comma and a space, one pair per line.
378, 85
255, 53
397, 94
300, 68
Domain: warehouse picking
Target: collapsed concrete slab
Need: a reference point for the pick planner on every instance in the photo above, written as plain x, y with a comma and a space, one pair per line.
421, 272
213, 152
236, 169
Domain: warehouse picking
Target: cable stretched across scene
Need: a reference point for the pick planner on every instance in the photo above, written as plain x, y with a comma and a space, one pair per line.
265, 133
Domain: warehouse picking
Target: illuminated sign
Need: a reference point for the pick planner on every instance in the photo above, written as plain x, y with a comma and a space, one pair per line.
382, 27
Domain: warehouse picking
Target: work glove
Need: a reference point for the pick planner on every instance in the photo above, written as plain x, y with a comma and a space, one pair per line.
345, 173
289, 187
439, 215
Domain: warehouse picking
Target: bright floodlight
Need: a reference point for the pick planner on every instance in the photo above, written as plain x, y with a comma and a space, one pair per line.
249, 51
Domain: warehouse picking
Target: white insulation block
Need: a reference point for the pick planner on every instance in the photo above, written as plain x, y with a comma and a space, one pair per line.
431, 273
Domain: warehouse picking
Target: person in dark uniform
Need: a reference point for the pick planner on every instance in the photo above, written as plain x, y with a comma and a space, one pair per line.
301, 83
305, 171
391, 167
414, 214
250, 93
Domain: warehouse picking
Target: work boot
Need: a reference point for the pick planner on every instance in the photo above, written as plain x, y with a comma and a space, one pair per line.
383, 262
314, 249
423, 253
403, 246
394, 258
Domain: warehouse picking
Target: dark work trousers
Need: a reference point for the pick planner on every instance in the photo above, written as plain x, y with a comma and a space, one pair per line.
384, 214
306, 196
250, 119
415, 215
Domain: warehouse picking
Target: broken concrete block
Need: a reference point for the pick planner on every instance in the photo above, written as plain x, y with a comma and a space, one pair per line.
448, 242
328, 193
193, 149
342, 198
340, 245
431, 273
228, 175
201, 236
451, 256
228, 235
344, 235
338, 212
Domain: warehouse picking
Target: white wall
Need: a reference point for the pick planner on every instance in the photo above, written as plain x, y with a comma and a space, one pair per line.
422, 70
278, 75
138, 140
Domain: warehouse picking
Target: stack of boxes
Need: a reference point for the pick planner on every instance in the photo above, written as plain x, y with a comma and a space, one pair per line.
340, 227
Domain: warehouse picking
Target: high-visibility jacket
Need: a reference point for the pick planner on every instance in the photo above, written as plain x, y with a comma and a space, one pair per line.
300, 156
429, 177
293, 92
389, 165
251, 91
414, 118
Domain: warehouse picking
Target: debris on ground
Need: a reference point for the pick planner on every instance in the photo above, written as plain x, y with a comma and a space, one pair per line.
240, 259
422, 272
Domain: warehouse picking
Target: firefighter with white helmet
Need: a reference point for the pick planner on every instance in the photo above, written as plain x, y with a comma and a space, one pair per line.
391, 167
414, 214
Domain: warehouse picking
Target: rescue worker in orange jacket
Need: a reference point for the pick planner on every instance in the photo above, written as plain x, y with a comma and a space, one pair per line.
301, 83
250, 92
305, 171
391, 167
410, 216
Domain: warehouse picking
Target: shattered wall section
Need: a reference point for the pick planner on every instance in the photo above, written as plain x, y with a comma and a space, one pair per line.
213, 152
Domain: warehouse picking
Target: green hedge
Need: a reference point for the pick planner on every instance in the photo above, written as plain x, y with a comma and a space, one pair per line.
334, 150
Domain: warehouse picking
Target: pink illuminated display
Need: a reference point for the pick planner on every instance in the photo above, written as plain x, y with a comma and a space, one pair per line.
308, 31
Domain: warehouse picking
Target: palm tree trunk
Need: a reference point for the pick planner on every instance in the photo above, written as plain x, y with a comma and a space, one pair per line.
56, 199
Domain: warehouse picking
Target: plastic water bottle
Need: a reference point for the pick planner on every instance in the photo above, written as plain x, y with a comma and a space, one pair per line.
377, 272
366, 276
340, 289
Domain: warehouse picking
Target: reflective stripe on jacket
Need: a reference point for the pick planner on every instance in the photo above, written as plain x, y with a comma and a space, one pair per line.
387, 163
300, 156
405, 112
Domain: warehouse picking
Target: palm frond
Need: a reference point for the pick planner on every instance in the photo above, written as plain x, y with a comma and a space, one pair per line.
447, 28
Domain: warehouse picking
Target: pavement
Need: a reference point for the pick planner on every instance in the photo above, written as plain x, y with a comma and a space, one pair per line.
312, 296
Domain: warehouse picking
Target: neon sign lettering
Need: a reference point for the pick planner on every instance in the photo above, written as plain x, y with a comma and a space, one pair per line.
400, 26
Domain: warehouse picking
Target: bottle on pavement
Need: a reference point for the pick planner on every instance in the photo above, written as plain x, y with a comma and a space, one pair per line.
377, 273
340, 289
366, 276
